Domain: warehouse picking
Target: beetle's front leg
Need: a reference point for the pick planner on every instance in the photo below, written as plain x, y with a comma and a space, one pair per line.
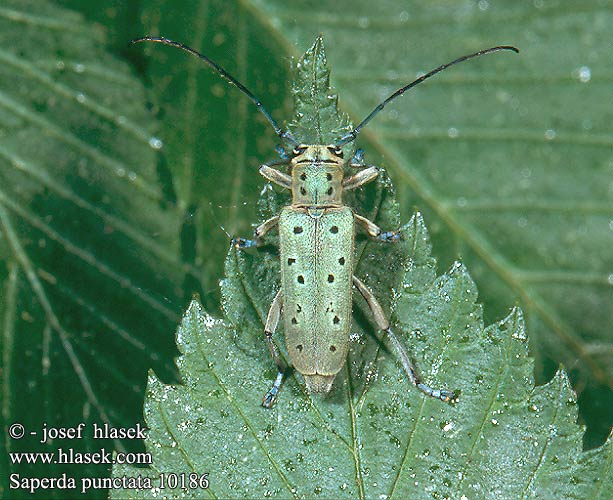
383, 323
375, 231
259, 233
276, 176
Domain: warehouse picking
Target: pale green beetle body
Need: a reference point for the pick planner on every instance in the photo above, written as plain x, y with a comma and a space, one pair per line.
316, 234
317, 231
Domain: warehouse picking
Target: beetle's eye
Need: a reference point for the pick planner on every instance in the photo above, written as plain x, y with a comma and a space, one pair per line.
335, 150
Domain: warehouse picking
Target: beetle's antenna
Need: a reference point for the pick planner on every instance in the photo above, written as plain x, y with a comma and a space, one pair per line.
354, 133
284, 135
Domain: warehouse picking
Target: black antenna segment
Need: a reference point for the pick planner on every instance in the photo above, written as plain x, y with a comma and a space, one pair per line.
284, 135
351, 136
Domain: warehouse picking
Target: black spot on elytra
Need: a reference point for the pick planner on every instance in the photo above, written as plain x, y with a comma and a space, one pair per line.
300, 279
299, 347
341, 261
330, 278
332, 348
303, 176
291, 261
330, 190
336, 320
329, 177
334, 229
294, 321
302, 191
298, 229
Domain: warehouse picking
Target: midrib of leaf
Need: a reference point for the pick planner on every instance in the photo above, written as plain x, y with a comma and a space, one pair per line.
355, 435
548, 440
170, 428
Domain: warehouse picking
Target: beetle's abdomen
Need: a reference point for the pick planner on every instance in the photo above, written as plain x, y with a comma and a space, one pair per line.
316, 270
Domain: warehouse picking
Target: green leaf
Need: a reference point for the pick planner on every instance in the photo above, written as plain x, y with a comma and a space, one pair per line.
374, 436
508, 156
316, 116
90, 274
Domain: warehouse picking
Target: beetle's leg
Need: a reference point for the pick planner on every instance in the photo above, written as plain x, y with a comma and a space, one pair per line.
356, 180
362, 177
375, 231
260, 232
384, 325
276, 176
271, 325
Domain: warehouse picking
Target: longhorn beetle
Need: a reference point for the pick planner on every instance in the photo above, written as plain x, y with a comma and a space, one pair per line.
316, 238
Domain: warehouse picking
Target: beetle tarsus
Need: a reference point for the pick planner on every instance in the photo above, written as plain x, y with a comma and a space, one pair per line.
358, 158
271, 396
242, 243
441, 394
389, 236
282, 152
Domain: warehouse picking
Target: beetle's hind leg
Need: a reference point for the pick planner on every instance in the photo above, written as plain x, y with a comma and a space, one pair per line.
384, 325
259, 233
272, 321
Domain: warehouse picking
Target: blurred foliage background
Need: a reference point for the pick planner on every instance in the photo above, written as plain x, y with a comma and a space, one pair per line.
123, 171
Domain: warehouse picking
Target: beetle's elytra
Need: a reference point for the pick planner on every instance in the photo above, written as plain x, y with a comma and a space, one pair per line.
316, 237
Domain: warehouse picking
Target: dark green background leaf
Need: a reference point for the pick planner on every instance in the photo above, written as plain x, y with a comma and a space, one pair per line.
91, 276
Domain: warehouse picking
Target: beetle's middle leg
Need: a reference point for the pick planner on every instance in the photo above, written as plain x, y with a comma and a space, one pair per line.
375, 231
272, 321
259, 233
383, 323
